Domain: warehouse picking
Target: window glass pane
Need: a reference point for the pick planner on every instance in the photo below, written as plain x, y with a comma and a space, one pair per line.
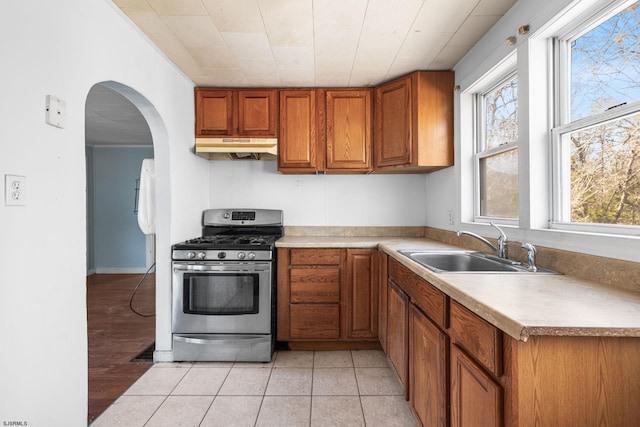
605, 173
499, 185
605, 65
501, 114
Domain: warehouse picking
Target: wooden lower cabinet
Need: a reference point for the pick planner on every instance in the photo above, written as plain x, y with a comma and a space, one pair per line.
383, 295
361, 294
428, 350
398, 339
483, 377
328, 295
476, 399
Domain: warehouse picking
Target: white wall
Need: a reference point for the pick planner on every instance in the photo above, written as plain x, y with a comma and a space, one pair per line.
63, 48
452, 188
319, 200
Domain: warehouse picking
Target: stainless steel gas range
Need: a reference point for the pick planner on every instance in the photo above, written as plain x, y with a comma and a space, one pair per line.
224, 285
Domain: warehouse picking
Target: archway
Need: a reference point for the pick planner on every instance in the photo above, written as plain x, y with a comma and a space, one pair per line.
116, 370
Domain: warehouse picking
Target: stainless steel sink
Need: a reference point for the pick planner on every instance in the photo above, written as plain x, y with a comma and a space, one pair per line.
468, 262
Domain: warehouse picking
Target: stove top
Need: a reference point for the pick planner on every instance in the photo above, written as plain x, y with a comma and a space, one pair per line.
229, 242
230, 234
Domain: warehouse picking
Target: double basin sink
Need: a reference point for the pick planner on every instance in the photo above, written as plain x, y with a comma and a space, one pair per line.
469, 262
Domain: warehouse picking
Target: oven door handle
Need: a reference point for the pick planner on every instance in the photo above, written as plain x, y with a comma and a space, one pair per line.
221, 339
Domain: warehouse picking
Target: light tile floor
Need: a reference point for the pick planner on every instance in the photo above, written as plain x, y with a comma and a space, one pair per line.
297, 388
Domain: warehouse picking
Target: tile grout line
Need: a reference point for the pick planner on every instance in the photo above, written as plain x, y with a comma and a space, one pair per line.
169, 394
215, 396
364, 419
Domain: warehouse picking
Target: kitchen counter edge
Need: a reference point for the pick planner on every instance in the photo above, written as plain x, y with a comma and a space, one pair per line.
519, 305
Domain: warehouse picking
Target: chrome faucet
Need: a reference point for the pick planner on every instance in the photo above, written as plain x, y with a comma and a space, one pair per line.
531, 256
501, 250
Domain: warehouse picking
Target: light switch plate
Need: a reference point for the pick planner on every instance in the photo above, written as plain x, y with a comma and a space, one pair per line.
56, 111
15, 187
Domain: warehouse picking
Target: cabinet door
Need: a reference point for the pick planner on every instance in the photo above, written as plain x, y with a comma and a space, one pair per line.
214, 112
258, 113
427, 370
348, 130
361, 306
393, 124
298, 142
398, 312
476, 399
383, 294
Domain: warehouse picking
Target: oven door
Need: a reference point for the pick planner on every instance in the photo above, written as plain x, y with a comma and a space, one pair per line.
222, 297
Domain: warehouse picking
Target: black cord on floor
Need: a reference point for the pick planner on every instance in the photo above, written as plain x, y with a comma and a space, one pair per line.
136, 290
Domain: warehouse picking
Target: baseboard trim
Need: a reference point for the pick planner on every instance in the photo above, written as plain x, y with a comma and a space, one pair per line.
135, 270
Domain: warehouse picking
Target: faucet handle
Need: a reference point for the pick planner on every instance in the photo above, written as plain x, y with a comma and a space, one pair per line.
502, 242
503, 236
531, 255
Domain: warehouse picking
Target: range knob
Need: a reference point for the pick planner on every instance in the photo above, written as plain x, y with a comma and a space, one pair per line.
202, 255
251, 255
191, 255
241, 255
222, 255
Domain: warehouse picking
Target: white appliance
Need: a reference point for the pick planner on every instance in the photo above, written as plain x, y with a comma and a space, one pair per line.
147, 198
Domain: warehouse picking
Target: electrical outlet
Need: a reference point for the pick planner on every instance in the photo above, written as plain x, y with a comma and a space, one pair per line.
450, 217
15, 187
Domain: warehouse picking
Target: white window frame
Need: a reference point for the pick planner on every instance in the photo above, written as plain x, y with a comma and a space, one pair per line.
487, 85
561, 179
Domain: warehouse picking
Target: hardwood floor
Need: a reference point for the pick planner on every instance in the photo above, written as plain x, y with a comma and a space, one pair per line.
116, 335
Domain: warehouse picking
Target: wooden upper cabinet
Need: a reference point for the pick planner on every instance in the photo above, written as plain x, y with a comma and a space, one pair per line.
298, 142
214, 112
393, 124
258, 113
348, 130
413, 129
236, 113
325, 130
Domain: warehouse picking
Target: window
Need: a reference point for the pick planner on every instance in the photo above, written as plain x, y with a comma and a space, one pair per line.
496, 158
597, 139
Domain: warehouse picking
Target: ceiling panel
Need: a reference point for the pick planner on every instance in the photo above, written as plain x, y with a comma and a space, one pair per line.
312, 42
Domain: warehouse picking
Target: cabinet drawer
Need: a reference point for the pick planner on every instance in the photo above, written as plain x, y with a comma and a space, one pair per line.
314, 321
479, 338
315, 256
429, 299
315, 285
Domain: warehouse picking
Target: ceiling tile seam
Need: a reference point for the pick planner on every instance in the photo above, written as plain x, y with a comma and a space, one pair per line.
226, 44
355, 55
386, 74
187, 51
266, 33
453, 34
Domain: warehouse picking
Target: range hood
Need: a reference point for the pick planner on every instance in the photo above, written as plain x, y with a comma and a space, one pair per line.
237, 148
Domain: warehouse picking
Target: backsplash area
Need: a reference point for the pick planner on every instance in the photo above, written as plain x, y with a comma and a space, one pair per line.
623, 274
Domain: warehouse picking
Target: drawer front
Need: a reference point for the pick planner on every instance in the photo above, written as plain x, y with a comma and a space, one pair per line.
320, 285
429, 299
315, 321
315, 256
479, 338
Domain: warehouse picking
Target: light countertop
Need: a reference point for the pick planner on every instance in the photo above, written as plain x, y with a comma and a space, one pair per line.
519, 304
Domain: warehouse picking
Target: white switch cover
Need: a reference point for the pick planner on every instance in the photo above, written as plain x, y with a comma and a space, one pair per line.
56, 111
15, 187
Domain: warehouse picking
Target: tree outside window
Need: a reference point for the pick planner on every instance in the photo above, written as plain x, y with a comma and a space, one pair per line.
497, 153
604, 147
